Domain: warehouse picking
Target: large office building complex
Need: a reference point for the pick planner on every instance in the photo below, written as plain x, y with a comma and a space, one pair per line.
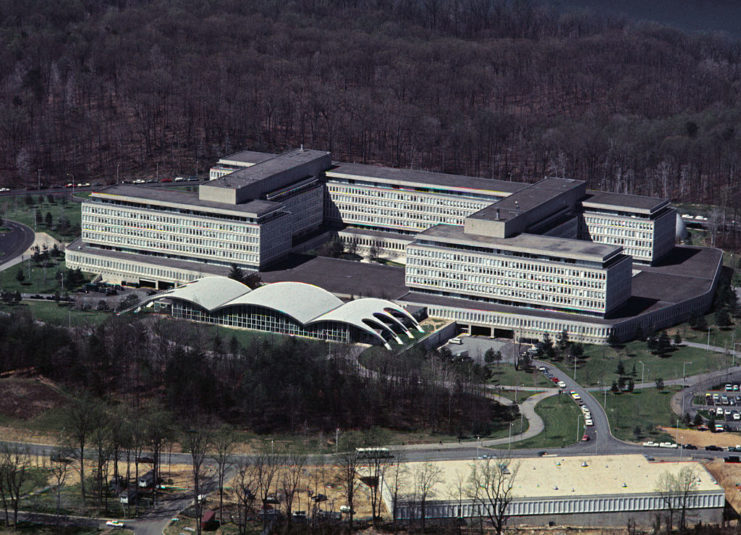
500, 258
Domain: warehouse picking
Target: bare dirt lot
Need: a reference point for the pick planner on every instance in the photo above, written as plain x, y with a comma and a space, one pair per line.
703, 438
729, 477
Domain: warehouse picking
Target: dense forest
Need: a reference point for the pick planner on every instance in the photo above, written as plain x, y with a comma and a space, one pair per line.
512, 89
276, 384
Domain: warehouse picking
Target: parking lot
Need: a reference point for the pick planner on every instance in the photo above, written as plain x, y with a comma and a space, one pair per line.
475, 347
724, 404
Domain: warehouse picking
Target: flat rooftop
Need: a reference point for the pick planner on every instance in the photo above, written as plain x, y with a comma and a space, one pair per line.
564, 477
418, 178
341, 277
623, 202
197, 266
528, 198
266, 168
527, 243
183, 200
246, 157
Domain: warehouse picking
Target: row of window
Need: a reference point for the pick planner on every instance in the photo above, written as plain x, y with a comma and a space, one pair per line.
125, 240
577, 331
258, 319
529, 268
97, 264
512, 294
396, 195
618, 222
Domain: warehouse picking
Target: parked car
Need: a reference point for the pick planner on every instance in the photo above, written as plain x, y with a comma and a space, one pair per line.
689, 447
650, 444
561, 384
585, 438
713, 447
115, 524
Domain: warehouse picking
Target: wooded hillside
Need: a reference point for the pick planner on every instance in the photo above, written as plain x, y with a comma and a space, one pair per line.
496, 88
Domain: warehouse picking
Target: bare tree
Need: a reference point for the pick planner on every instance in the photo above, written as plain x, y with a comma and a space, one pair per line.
100, 440
14, 466
675, 491
374, 470
59, 471
79, 421
398, 475
264, 472
491, 487
426, 476
196, 442
348, 463
158, 431
222, 445
244, 485
293, 467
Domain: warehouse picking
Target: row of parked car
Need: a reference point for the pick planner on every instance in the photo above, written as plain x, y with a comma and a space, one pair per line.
722, 399
555, 380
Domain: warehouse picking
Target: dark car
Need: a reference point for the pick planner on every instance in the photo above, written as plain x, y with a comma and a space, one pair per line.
713, 448
689, 447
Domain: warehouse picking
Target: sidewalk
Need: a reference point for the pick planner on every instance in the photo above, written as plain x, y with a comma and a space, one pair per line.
527, 409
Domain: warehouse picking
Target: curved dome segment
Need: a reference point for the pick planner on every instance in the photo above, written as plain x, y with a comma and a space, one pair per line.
209, 292
361, 311
303, 302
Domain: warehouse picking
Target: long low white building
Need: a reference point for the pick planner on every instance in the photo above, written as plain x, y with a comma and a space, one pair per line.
291, 308
589, 490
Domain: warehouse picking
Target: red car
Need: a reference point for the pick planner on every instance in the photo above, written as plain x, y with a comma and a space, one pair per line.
554, 379
585, 438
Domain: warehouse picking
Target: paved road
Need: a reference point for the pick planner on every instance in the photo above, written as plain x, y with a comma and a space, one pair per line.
14, 243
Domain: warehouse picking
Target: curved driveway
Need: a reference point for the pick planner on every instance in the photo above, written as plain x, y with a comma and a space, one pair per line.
14, 243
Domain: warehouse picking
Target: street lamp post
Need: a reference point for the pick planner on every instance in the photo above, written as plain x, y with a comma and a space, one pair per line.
707, 348
578, 420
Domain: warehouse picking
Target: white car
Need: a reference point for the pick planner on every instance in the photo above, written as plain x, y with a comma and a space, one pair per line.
667, 445
736, 416
588, 422
561, 384
114, 524
650, 444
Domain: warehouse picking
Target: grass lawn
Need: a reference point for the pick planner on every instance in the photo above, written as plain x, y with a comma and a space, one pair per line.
599, 365
720, 337
37, 279
54, 314
645, 408
561, 416
507, 375
16, 209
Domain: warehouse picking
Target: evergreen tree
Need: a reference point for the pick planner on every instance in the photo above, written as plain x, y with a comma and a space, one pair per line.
621, 368
663, 344
722, 318
677, 338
